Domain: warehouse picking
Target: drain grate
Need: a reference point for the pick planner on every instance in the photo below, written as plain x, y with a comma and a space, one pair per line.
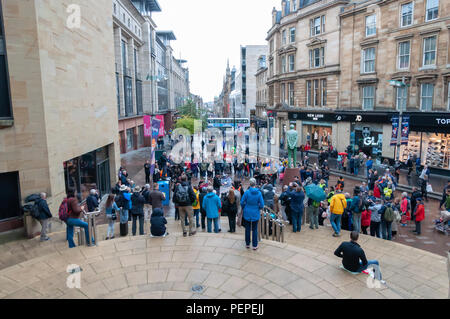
197, 288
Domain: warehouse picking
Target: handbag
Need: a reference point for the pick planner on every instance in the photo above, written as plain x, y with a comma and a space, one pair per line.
114, 215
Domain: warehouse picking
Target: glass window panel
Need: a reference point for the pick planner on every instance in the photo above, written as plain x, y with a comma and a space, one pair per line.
407, 14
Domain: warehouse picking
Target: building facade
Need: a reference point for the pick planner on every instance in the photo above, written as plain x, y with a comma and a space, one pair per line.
56, 130
304, 67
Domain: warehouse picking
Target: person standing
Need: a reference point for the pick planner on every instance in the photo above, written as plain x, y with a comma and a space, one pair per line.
416, 193
356, 209
111, 211
44, 215
387, 217
297, 197
203, 193
419, 215
184, 197
196, 206
147, 172
313, 210
211, 204
229, 207
375, 219
365, 220
137, 210
74, 209
92, 201
369, 165
252, 202
405, 208
444, 195
338, 205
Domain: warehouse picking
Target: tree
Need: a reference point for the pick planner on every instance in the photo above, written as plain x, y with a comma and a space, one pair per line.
187, 123
190, 111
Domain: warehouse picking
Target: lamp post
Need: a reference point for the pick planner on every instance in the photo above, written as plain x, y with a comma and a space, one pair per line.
398, 84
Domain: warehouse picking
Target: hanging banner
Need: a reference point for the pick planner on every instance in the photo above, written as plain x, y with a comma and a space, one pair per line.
147, 126
405, 130
161, 127
394, 138
155, 130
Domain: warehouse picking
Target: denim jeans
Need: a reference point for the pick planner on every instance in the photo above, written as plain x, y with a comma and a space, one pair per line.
197, 217
251, 227
386, 230
71, 222
356, 170
335, 221
376, 267
216, 225
297, 220
375, 229
141, 224
357, 222
418, 228
124, 216
111, 223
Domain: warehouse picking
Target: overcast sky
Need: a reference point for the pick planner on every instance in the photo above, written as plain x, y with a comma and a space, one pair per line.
210, 31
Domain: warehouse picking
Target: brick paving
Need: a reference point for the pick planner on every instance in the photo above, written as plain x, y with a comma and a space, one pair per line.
143, 267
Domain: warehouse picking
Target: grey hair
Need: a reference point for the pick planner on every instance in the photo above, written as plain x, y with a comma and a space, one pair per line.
43, 195
285, 188
210, 189
404, 194
252, 182
92, 192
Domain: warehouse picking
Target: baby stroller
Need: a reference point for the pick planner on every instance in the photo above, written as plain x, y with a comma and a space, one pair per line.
442, 224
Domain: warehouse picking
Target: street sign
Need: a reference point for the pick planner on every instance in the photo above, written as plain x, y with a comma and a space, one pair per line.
396, 83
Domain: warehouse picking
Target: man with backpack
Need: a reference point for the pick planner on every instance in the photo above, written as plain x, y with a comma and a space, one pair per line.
356, 208
69, 212
387, 217
137, 210
285, 207
123, 201
313, 210
184, 197
44, 215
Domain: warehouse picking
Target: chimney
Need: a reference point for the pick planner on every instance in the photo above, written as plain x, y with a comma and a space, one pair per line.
274, 16
283, 8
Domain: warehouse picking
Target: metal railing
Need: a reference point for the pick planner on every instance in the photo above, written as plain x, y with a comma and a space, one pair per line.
271, 226
89, 218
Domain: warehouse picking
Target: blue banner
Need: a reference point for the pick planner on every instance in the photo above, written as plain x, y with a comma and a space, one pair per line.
405, 130
394, 138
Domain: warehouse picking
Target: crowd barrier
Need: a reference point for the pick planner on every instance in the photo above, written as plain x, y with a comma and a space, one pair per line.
271, 226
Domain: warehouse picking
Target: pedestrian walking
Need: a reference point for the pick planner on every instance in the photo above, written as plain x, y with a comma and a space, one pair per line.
252, 202
92, 201
74, 210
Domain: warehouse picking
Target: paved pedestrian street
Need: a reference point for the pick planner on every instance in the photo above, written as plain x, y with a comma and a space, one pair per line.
154, 268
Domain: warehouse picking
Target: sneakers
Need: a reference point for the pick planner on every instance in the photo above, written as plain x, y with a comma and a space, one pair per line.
248, 246
255, 248
193, 233
45, 239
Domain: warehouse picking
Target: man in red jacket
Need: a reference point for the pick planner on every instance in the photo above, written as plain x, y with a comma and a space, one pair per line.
419, 215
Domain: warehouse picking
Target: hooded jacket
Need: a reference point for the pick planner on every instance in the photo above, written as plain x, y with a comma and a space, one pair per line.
158, 222
268, 195
338, 204
297, 201
44, 211
252, 202
211, 204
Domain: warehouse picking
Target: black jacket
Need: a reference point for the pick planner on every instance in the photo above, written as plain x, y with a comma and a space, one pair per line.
228, 208
216, 182
137, 202
92, 203
158, 222
351, 254
201, 197
44, 211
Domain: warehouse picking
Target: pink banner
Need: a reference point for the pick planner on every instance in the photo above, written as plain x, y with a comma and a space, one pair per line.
147, 126
161, 127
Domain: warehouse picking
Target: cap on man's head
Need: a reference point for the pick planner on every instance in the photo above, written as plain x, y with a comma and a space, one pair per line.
418, 199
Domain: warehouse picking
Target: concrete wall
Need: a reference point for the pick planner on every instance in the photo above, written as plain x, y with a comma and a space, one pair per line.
62, 89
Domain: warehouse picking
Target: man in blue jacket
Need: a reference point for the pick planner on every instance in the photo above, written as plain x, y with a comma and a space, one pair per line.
297, 206
211, 204
252, 202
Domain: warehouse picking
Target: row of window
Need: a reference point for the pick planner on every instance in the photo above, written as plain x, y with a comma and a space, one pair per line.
406, 16
316, 93
401, 97
428, 58
127, 20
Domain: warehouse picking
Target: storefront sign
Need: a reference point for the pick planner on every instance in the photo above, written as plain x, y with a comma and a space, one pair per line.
147, 126
430, 122
394, 138
405, 130
326, 117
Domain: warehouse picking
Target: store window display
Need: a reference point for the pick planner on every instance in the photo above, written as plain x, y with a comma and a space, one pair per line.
432, 148
319, 137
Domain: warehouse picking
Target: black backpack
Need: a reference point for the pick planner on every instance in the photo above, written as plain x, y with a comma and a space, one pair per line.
34, 212
182, 195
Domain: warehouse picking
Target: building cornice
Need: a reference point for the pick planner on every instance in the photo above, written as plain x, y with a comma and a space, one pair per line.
366, 43
302, 74
434, 30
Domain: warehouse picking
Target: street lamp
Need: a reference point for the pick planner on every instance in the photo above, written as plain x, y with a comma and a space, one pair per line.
399, 84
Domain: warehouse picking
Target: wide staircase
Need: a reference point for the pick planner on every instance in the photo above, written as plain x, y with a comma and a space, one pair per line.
215, 266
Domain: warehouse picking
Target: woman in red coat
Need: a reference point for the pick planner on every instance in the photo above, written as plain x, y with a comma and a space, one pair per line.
365, 220
376, 191
419, 214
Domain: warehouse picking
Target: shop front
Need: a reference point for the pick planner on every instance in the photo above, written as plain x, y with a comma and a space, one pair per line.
317, 128
429, 140
367, 138
89, 171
